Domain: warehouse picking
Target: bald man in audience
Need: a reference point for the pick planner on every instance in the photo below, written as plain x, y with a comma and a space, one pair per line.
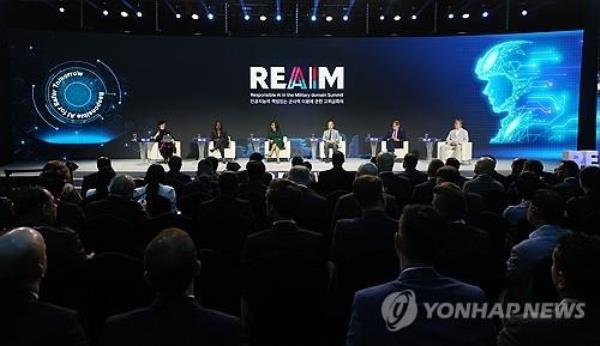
24, 320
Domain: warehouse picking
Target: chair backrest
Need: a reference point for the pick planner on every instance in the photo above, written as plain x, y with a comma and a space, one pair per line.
107, 233
218, 286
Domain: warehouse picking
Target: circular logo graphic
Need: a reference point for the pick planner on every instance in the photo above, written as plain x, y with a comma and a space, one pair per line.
399, 310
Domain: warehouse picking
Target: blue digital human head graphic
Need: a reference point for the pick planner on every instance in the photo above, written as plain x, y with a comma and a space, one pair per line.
526, 84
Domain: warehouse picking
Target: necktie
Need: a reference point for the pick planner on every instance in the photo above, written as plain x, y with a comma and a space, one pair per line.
395, 134
329, 134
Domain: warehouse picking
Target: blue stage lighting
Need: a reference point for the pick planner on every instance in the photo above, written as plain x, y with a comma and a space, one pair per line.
139, 14
246, 17
450, 15
313, 18
485, 14
278, 17
210, 16
345, 18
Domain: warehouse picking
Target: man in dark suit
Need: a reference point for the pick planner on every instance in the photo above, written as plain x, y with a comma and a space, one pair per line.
175, 318
394, 184
395, 137
90, 181
347, 206
454, 162
280, 262
394, 313
336, 178
311, 213
254, 191
484, 181
24, 320
423, 192
415, 176
174, 176
576, 262
584, 211
37, 208
119, 203
568, 173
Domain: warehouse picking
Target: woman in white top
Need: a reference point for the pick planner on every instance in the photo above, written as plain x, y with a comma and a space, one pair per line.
155, 186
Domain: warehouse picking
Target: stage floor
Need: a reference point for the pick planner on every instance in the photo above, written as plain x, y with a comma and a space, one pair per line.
137, 168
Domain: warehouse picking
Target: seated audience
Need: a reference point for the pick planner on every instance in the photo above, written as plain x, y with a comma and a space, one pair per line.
516, 168
175, 177
69, 214
497, 176
394, 184
311, 213
575, 266
419, 242
336, 178
148, 195
423, 192
24, 319
175, 318
90, 181
105, 175
545, 213
567, 173
583, 212
519, 228
416, 177
119, 202
254, 191
205, 186
454, 162
68, 193
484, 182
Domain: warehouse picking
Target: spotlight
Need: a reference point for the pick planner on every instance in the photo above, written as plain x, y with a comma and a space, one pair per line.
105, 13
278, 17
210, 16
451, 16
61, 9
195, 16
178, 15
485, 14
313, 18
345, 18
262, 18
397, 17
329, 18
124, 14
382, 17
413, 17
524, 13
246, 17
466, 16
139, 14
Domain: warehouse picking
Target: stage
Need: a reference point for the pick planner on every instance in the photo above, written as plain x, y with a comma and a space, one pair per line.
137, 168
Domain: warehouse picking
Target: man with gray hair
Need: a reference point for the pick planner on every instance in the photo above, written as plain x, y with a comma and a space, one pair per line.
309, 213
484, 182
119, 202
347, 206
24, 320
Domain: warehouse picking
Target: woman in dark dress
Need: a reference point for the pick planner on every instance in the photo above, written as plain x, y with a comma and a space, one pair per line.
220, 139
165, 146
275, 139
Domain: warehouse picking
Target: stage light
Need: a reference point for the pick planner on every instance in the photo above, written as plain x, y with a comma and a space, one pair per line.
329, 18
278, 18
451, 16
105, 13
524, 13
61, 9
178, 15
345, 18
466, 16
382, 17
246, 17
139, 14
195, 16
485, 14
413, 17
124, 14
210, 16
262, 18
313, 18
397, 17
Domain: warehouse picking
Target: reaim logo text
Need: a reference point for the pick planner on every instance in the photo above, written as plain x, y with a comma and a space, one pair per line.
309, 78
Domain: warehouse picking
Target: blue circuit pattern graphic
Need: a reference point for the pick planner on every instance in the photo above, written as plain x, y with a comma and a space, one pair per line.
529, 86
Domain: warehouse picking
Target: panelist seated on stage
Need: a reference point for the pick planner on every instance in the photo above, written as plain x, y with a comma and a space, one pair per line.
275, 140
219, 138
331, 138
165, 140
456, 141
395, 137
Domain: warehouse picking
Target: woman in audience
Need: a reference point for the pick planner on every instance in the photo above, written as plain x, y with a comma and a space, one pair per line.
155, 187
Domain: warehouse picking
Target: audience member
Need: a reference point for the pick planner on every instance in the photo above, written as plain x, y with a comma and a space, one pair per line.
419, 242
484, 181
410, 162
336, 178
119, 202
254, 191
69, 193
311, 213
175, 318
423, 192
575, 266
567, 173
175, 178
69, 213
90, 181
105, 175
454, 162
545, 213
394, 184
148, 195
583, 212
24, 319
519, 228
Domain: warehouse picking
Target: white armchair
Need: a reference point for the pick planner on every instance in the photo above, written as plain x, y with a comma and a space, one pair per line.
283, 153
399, 152
464, 154
154, 152
229, 151
341, 147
